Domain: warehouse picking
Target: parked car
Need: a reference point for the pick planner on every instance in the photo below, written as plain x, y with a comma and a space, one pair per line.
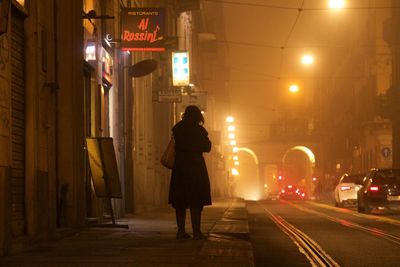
347, 188
292, 192
381, 190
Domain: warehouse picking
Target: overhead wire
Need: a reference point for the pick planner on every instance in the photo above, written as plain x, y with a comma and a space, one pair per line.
294, 8
285, 44
288, 37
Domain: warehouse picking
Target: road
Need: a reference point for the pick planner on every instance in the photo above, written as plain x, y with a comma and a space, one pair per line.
304, 233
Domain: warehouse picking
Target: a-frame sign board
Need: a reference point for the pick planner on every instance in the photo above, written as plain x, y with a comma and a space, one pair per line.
104, 172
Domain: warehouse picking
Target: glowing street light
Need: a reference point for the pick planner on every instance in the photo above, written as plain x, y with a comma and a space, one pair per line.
294, 88
233, 143
235, 158
231, 136
236, 163
235, 149
336, 4
231, 128
307, 59
230, 119
235, 172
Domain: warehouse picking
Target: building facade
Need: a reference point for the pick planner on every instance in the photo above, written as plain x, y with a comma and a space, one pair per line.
63, 78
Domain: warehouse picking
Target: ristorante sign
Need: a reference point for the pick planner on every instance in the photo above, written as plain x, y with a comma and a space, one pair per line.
143, 29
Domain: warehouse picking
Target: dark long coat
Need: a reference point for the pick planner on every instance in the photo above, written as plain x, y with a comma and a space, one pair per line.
190, 184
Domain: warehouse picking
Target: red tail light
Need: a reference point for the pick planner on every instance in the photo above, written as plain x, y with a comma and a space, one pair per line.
374, 188
344, 188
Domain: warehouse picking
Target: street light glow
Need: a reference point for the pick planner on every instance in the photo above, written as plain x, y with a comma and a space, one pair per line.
236, 163
336, 4
231, 128
307, 60
235, 172
235, 149
231, 136
230, 119
235, 158
233, 143
294, 88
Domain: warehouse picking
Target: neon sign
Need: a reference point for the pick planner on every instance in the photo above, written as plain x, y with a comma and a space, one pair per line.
143, 29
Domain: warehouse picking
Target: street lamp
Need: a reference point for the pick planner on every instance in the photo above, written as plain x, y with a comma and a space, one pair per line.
231, 128
233, 143
230, 119
307, 59
294, 88
336, 4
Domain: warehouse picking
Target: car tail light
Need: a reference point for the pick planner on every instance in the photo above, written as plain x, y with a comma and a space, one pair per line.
289, 186
374, 188
344, 188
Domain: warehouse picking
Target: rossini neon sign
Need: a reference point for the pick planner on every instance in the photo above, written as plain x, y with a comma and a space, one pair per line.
143, 29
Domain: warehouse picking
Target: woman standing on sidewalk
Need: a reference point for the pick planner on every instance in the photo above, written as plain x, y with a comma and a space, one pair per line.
190, 185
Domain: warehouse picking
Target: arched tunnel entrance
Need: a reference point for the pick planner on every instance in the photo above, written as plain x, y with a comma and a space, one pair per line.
247, 183
298, 165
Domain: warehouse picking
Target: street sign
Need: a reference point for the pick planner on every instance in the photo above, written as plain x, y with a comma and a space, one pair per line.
169, 96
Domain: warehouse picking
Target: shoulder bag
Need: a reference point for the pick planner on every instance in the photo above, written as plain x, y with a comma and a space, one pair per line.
168, 157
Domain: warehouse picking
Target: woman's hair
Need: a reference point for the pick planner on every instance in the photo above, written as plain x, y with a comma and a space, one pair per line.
193, 114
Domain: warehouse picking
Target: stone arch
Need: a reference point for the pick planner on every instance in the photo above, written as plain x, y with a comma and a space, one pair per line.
311, 157
258, 194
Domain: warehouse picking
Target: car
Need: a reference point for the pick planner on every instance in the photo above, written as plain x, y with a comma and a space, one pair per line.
273, 195
380, 190
292, 192
346, 190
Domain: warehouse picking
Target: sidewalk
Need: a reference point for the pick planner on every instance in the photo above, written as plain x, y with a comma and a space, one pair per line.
150, 241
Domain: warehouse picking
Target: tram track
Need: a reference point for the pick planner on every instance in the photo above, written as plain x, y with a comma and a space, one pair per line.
370, 230
311, 249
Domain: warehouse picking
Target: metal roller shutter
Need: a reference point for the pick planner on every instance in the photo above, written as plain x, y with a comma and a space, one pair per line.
18, 124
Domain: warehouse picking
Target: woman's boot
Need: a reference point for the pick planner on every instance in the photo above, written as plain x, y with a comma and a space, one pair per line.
180, 222
195, 216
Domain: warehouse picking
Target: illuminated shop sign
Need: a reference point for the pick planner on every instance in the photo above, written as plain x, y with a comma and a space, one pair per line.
90, 51
143, 29
180, 68
107, 63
